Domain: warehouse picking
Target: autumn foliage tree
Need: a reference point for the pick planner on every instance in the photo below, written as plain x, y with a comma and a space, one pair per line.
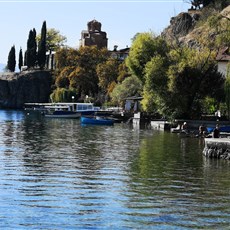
107, 73
79, 66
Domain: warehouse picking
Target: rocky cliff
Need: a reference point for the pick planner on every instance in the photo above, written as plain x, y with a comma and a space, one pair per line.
187, 29
181, 25
29, 86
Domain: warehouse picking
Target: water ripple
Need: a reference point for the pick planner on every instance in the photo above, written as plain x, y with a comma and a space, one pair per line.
56, 174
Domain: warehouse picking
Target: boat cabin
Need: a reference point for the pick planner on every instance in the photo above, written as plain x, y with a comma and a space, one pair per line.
75, 107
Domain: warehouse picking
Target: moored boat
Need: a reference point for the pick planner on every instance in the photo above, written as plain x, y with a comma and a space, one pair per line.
62, 109
96, 121
62, 114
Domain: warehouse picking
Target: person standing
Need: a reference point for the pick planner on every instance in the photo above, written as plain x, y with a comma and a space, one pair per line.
216, 132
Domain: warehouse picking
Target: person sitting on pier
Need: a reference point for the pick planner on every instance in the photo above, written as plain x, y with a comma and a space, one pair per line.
202, 130
185, 127
216, 132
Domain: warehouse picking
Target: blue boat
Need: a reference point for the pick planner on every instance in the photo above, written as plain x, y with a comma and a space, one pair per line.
96, 121
224, 129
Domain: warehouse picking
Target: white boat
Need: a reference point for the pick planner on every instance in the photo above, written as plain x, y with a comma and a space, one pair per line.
63, 110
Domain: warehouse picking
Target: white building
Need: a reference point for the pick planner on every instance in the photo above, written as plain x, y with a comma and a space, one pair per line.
223, 58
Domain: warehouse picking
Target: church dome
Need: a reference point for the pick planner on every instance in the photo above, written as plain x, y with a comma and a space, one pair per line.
94, 25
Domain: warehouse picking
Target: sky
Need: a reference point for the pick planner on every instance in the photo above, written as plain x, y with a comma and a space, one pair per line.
120, 19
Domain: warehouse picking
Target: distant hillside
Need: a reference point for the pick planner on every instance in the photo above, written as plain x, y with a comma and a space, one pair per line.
2, 66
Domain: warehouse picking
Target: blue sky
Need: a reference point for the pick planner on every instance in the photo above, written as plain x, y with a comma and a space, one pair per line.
121, 20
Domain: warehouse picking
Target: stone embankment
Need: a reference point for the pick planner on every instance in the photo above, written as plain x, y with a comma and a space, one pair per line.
217, 148
27, 86
7, 76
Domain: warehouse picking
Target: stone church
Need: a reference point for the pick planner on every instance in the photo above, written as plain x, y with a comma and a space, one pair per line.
94, 36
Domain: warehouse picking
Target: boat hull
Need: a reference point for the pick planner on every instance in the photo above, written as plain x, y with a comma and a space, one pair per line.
96, 121
63, 114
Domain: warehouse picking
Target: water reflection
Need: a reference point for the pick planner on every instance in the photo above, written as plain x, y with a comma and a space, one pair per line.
171, 181
57, 174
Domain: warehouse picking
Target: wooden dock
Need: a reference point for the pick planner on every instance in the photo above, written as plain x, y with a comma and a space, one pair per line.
217, 148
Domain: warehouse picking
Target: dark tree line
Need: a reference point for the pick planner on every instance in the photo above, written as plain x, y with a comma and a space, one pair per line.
197, 4
35, 55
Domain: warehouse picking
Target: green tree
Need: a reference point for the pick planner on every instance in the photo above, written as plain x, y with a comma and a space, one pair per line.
144, 47
11, 60
63, 95
129, 87
177, 81
156, 92
54, 40
20, 59
42, 47
192, 73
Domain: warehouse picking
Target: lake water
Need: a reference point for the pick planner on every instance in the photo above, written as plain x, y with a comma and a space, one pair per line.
57, 174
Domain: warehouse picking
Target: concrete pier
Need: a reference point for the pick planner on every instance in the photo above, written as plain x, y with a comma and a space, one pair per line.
160, 124
217, 148
141, 121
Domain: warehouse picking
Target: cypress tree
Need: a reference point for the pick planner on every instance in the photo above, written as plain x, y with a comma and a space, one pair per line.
42, 47
20, 59
34, 47
11, 60
25, 58
31, 53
